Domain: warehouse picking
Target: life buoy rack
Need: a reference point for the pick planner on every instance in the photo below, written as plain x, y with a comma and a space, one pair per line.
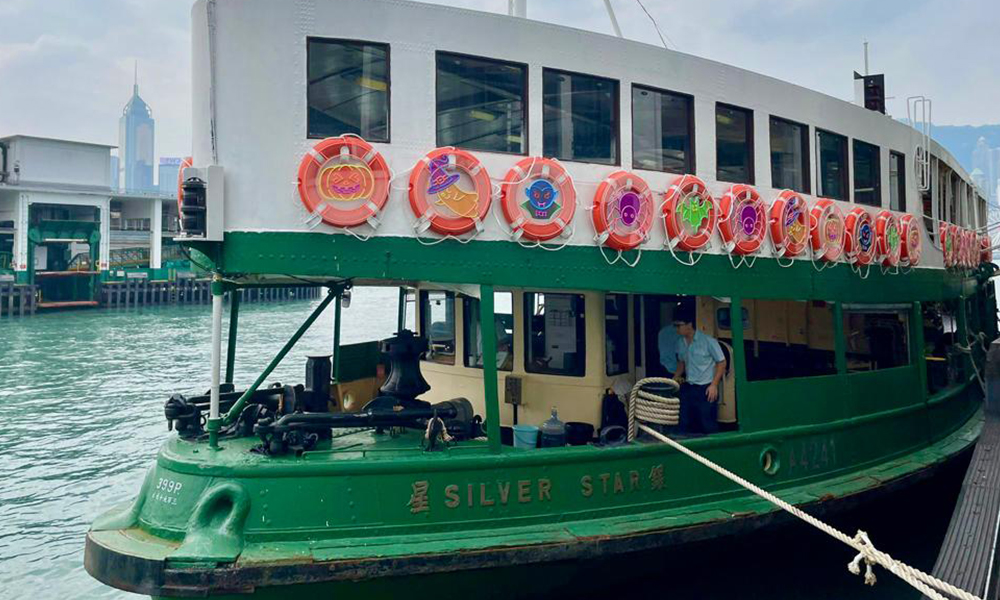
441, 196
344, 181
948, 245
623, 211
690, 214
912, 246
859, 241
985, 249
538, 199
187, 162
826, 228
742, 219
888, 239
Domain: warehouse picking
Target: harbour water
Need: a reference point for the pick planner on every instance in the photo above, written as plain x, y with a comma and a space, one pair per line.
81, 419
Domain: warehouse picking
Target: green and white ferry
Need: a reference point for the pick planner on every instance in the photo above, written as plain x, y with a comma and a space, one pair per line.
543, 198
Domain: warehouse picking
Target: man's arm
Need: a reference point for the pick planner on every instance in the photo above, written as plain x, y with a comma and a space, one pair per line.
679, 373
713, 389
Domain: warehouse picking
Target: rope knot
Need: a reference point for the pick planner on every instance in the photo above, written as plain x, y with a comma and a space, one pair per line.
864, 553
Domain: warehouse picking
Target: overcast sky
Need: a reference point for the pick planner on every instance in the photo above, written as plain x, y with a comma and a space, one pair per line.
66, 66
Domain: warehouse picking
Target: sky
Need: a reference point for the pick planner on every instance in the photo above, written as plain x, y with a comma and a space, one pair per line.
67, 66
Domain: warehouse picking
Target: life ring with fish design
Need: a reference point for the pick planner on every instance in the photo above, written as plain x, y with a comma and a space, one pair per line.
450, 192
912, 247
742, 219
690, 214
344, 181
826, 227
622, 211
538, 199
888, 238
789, 223
859, 241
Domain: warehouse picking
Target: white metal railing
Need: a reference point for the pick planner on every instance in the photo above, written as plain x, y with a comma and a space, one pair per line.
918, 113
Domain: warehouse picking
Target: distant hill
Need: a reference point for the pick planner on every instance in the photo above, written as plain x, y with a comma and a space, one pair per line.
961, 140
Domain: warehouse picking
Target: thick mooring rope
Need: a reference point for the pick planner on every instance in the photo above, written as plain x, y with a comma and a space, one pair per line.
652, 408
929, 585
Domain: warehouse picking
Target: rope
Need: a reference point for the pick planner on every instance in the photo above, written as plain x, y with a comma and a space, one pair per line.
928, 585
652, 408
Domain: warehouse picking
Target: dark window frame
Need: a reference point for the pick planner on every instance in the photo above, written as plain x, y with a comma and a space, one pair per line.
691, 159
751, 163
423, 299
845, 180
467, 328
388, 83
878, 172
525, 83
581, 334
616, 111
807, 163
625, 368
901, 180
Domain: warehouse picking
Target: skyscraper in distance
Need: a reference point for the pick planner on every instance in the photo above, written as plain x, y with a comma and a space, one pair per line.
167, 179
135, 142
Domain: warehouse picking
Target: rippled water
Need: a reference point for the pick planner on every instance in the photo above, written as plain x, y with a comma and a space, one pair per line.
81, 419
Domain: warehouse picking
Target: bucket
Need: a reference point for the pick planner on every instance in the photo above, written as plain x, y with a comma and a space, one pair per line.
525, 436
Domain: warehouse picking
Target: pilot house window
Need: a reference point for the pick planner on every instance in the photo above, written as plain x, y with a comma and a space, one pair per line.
348, 89
580, 116
437, 324
877, 338
662, 125
733, 144
832, 161
554, 334
481, 104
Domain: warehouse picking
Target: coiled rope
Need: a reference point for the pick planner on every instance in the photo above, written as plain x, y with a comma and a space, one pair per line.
928, 585
652, 408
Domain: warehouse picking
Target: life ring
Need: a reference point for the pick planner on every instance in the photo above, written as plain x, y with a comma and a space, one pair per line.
859, 241
888, 239
742, 219
962, 238
985, 249
966, 248
450, 192
187, 162
948, 245
623, 211
826, 227
538, 199
912, 247
789, 223
344, 181
689, 213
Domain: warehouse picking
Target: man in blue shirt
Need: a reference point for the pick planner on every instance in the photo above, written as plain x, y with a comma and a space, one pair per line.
701, 362
666, 342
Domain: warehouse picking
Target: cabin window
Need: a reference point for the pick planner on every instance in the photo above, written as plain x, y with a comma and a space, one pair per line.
733, 144
789, 155
616, 334
662, 130
481, 104
897, 181
784, 339
348, 89
832, 151
555, 334
877, 337
867, 180
437, 324
580, 114
503, 322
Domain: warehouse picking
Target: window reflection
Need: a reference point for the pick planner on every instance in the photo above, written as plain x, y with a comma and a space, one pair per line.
789, 155
580, 117
734, 144
348, 89
480, 104
662, 131
832, 150
867, 183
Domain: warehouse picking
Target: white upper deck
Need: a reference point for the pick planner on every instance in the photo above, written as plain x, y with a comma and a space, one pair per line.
250, 80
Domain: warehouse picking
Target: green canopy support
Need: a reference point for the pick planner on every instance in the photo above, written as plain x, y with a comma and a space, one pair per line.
336, 337
234, 319
739, 363
401, 310
488, 332
961, 335
917, 344
839, 341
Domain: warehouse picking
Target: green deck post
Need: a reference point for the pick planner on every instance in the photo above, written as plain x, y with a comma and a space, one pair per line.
234, 319
489, 335
238, 407
839, 341
401, 310
739, 353
336, 338
961, 336
917, 345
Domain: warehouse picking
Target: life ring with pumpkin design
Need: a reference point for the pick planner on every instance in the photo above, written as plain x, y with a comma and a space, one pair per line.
538, 199
622, 211
912, 246
690, 214
859, 240
789, 223
450, 192
344, 181
826, 228
742, 219
888, 238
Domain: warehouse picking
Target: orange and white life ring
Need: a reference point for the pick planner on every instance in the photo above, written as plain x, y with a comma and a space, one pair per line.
623, 211
742, 219
826, 227
967, 248
187, 162
859, 241
985, 249
344, 181
538, 199
948, 244
450, 192
888, 238
962, 238
689, 213
789, 223
912, 246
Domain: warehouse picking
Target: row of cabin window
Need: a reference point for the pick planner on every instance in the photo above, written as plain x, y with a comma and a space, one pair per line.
555, 338
481, 105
